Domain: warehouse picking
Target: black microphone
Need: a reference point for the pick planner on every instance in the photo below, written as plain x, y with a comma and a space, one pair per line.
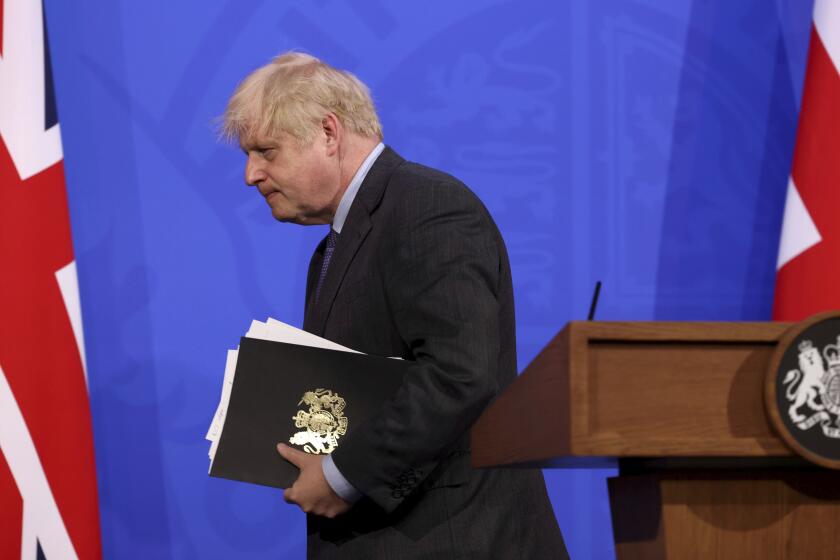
594, 300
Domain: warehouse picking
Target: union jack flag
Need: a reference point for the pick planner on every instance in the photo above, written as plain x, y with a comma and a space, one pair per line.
48, 500
809, 253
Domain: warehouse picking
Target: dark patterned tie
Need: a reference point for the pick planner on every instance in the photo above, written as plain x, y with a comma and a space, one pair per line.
332, 239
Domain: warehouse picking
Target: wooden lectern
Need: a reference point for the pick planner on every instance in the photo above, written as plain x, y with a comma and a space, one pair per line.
680, 406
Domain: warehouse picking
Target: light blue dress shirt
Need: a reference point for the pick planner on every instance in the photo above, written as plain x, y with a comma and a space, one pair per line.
353, 188
335, 479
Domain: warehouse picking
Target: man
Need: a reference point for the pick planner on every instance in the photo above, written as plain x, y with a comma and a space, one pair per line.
414, 267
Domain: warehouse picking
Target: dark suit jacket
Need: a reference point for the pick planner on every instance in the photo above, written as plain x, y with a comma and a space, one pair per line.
420, 271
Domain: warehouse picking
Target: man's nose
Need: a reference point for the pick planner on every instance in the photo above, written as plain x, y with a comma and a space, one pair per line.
253, 173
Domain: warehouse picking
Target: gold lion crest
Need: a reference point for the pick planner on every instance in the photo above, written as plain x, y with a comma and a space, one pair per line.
322, 424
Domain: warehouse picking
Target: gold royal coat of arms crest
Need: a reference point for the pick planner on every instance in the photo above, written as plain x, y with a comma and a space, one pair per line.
322, 424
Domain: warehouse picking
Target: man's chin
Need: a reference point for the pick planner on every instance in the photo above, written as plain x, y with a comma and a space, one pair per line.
286, 219
299, 219
282, 216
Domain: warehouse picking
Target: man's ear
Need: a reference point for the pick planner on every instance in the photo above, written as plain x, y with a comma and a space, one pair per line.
331, 128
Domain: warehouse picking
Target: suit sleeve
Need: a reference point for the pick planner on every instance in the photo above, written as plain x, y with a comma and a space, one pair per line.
442, 279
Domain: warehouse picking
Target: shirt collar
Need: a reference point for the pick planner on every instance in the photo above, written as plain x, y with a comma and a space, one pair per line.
353, 188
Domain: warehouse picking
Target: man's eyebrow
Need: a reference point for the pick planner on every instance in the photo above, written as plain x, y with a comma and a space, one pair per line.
257, 146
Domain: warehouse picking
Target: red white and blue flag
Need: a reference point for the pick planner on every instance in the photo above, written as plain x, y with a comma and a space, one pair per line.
809, 253
48, 499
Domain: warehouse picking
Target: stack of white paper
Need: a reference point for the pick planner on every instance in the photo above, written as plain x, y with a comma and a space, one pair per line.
276, 331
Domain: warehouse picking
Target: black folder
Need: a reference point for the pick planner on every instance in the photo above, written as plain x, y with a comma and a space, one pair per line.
309, 398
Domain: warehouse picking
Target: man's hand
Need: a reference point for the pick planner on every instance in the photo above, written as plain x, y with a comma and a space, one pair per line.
311, 492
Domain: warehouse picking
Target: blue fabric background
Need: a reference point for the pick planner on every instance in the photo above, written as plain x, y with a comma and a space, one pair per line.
643, 143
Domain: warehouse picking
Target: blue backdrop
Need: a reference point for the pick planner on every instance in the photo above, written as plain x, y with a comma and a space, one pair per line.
640, 142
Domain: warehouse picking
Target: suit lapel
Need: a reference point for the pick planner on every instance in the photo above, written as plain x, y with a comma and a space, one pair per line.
348, 243
355, 230
311, 280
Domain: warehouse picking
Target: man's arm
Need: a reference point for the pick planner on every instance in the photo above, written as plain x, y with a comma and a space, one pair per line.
442, 269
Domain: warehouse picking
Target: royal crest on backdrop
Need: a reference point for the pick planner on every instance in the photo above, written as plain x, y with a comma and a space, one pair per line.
322, 424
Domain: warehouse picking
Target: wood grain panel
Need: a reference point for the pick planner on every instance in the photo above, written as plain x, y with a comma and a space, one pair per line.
636, 389
721, 516
676, 398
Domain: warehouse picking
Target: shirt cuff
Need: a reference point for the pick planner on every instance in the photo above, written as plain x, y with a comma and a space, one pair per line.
338, 483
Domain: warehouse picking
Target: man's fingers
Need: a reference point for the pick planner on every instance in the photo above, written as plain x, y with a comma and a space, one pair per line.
293, 456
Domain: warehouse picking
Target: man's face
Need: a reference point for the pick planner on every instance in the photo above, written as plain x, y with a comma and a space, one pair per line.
299, 184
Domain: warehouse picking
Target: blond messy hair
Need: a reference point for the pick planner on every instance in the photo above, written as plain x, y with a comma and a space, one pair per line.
292, 94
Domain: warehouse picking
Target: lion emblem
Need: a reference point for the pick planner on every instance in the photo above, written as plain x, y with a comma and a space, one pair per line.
812, 374
322, 424
816, 388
